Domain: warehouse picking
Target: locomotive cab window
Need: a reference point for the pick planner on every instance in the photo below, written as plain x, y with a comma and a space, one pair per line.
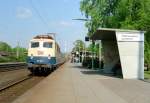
47, 45
34, 44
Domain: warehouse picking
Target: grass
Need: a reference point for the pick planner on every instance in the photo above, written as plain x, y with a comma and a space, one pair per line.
147, 74
12, 59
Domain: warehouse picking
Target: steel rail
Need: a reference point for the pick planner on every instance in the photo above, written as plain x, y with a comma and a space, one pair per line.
11, 66
6, 65
13, 83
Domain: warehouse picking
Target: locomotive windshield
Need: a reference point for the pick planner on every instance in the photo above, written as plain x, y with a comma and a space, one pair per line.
47, 44
34, 44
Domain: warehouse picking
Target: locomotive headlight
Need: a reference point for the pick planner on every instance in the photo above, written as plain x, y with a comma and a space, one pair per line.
31, 56
49, 56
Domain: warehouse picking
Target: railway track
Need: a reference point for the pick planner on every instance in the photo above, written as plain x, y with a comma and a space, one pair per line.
13, 82
4, 67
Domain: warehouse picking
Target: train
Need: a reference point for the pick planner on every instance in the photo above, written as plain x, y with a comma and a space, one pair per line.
44, 54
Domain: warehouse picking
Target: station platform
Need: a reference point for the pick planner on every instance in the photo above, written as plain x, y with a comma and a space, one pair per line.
73, 84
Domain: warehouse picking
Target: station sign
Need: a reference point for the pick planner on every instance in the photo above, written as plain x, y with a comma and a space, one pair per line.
130, 36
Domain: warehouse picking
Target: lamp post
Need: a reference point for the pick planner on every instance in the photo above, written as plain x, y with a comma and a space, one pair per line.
80, 19
17, 52
100, 55
92, 54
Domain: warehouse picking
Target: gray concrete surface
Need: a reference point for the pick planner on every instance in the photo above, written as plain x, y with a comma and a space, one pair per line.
73, 84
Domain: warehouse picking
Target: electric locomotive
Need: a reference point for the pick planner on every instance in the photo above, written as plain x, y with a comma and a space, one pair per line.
43, 54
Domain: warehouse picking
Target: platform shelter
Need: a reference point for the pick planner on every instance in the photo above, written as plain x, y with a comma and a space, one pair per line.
124, 46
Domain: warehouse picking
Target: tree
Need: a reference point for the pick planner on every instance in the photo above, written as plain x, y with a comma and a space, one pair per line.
79, 45
99, 11
128, 14
22, 53
5, 47
125, 14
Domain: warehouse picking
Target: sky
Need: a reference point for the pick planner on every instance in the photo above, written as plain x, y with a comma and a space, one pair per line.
21, 20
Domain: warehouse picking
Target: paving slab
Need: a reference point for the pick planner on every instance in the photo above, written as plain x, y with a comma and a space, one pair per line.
74, 84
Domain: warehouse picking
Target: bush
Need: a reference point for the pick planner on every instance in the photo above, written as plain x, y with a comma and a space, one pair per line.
87, 62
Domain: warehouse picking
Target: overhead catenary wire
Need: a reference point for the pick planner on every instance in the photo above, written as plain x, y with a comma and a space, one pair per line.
39, 15
41, 18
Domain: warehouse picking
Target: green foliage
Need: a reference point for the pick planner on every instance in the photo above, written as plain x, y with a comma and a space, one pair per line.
130, 14
94, 48
4, 47
147, 74
22, 53
79, 45
125, 14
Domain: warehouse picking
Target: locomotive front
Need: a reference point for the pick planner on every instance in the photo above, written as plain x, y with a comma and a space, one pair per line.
41, 54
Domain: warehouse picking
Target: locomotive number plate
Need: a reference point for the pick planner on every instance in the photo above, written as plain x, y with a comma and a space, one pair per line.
40, 53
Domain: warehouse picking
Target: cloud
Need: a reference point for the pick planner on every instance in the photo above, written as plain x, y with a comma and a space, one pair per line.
66, 23
23, 13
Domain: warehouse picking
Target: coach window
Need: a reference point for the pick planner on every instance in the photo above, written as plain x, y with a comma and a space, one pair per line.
47, 45
34, 44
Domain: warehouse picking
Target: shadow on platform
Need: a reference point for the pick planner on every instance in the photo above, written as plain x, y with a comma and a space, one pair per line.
97, 72
79, 67
90, 71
